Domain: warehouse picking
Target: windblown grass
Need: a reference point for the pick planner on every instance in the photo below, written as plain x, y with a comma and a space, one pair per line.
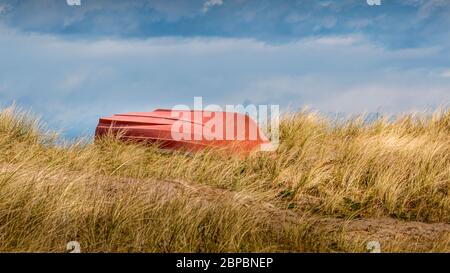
310, 195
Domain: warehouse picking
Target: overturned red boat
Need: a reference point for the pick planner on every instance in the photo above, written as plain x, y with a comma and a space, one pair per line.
189, 130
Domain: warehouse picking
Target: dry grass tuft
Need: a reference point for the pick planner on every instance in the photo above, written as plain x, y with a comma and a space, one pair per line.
331, 186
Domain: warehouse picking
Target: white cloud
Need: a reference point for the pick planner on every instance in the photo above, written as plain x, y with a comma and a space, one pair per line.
295, 17
427, 8
3, 9
81, 80
211, 3
387, 98
328, 94
74, 80
446, 73
326, 22
335, 40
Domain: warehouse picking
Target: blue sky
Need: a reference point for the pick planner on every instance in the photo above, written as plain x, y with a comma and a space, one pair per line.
73, 64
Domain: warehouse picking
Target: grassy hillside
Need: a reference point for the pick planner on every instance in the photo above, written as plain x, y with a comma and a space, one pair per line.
330, 187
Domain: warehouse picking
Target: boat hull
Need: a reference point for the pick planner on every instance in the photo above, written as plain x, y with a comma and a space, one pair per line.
186, 130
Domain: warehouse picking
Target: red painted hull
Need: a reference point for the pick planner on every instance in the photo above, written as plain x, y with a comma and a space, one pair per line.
186, 130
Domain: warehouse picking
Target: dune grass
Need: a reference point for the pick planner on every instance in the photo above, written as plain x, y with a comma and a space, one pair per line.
309, 196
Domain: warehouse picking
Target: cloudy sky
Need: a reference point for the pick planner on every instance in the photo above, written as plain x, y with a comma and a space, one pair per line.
73, 64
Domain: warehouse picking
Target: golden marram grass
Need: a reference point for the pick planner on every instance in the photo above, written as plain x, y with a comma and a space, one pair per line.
331, 186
